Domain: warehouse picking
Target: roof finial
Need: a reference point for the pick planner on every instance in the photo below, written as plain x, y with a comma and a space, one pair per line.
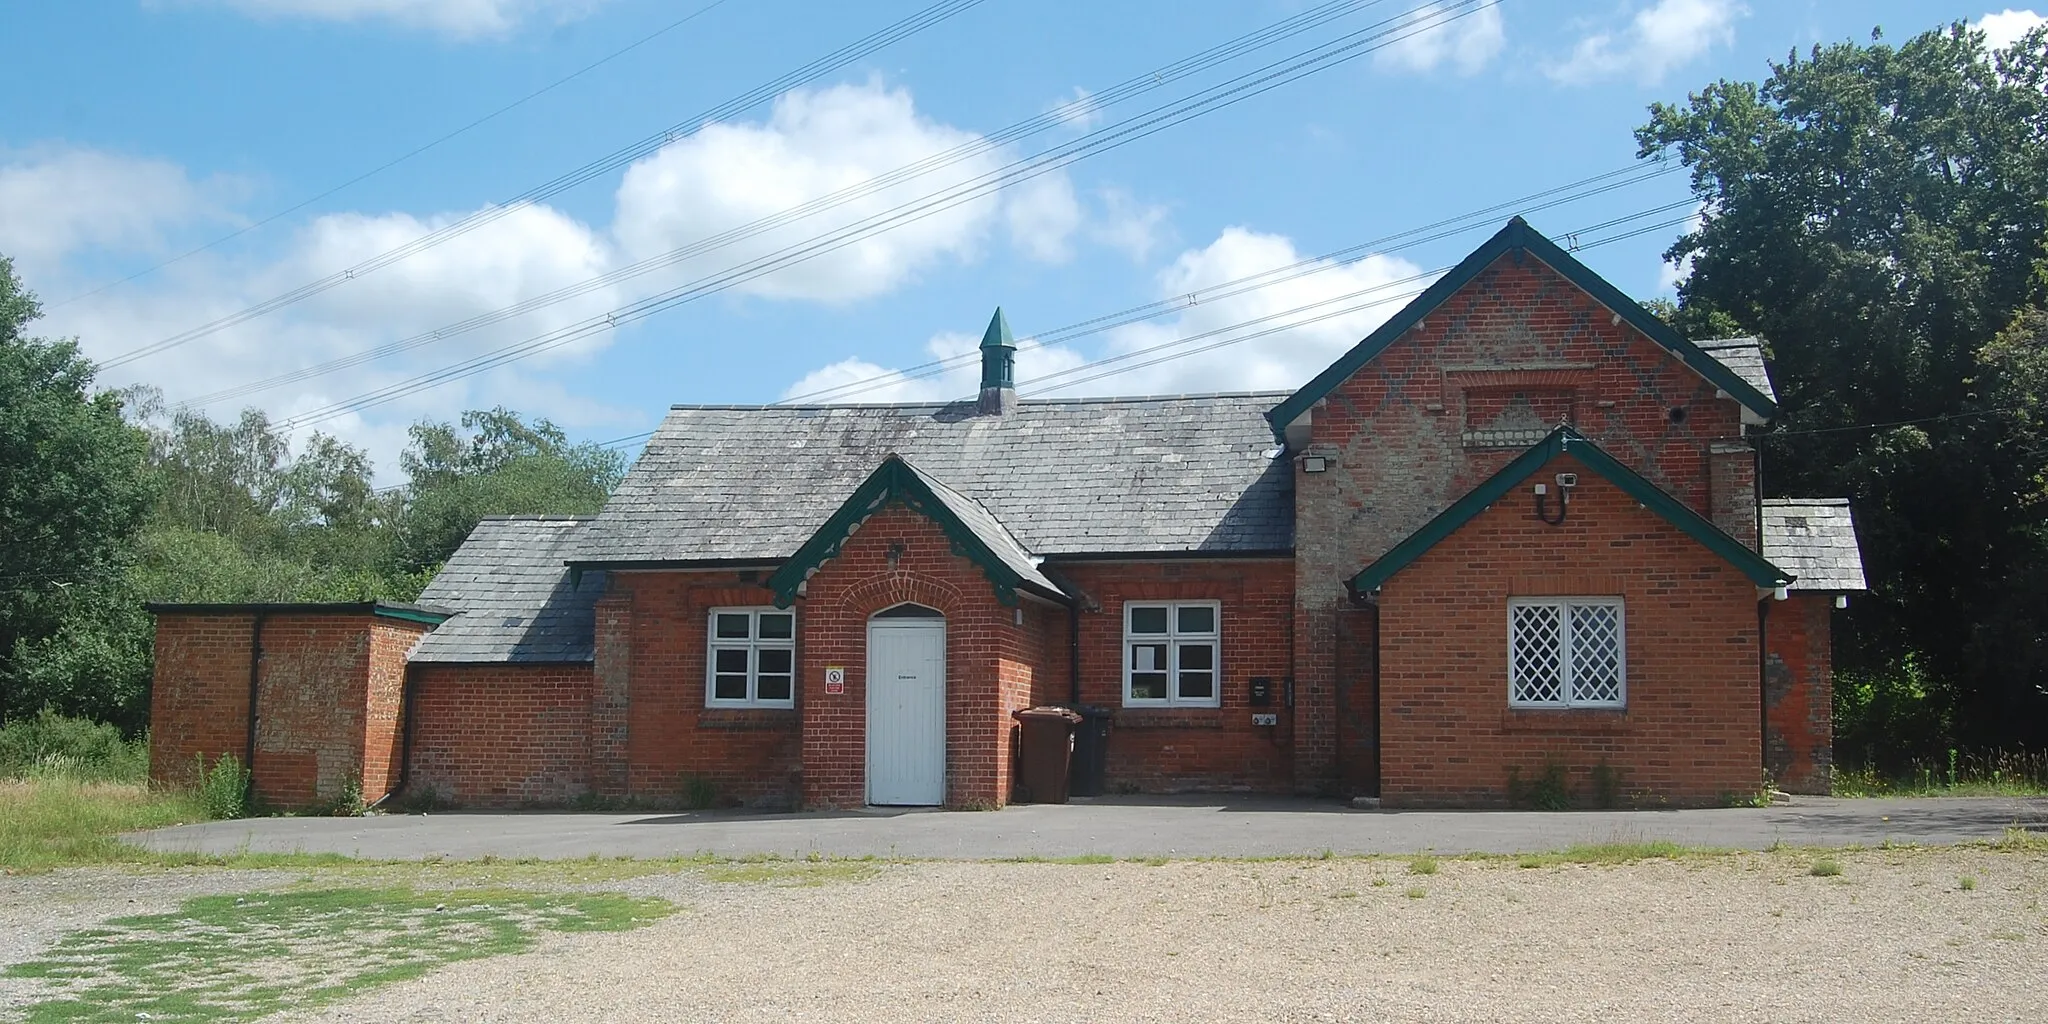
998, 367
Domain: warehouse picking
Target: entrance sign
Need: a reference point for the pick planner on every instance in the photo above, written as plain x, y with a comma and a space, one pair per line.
835, 679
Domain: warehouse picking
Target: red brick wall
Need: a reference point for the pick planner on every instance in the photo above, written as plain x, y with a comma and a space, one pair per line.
1799, 695
390, 641
199, 701
1691, 730
749, 756
1394, 437
311, 708
501, 735
993, 665
1166, 750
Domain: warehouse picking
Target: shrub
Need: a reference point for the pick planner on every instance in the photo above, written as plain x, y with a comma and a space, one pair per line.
1549, 792
224, 788
1824, 868
54, 746
1422, 866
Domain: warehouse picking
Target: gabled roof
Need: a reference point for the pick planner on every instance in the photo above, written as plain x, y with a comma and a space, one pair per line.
1816, 538
1518, 237
1525, 465
1150, 477
401, 610
1745, 356
515, 599
974, 532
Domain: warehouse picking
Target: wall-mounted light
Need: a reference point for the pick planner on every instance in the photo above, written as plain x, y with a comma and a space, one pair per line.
1314, 464
1841, 600
1781, 594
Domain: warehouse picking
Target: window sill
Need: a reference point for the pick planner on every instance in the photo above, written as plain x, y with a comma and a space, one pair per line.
1169, 718
1575, 720
750, 719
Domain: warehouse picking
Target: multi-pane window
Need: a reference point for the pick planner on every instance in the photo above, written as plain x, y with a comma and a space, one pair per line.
1170, 653
1566, 653
752, 659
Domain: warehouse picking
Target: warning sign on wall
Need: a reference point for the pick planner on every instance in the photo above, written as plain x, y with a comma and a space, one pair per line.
835, 679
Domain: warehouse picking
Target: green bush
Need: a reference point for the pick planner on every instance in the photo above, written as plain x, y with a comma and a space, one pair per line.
1890, 719
224, 788
53, 746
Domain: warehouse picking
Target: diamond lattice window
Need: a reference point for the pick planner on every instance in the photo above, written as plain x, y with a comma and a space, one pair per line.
1566, 652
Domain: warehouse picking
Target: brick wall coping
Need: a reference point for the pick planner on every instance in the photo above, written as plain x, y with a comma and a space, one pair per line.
382, 609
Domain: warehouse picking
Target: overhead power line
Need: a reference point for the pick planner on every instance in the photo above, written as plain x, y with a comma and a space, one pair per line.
1109, 321
1426, 17
408, 154
845, 55
1121, 92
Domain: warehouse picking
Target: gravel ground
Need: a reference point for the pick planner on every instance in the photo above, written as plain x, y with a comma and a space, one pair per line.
1744, 938
1750, 937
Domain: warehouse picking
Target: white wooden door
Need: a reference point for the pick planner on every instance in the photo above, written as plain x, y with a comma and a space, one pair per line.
907, 712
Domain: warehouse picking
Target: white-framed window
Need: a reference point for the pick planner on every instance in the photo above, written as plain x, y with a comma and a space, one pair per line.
751, 660
1567, 652
1173, 654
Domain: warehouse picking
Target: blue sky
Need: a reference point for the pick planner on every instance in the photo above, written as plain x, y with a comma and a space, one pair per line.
132, 133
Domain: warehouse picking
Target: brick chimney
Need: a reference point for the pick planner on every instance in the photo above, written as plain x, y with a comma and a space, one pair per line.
998, 368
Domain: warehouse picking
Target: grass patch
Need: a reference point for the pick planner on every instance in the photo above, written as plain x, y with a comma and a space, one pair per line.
1422, 866
1967, 883
1416, 893
51, 746
1615, 853
237, 958
1825, 868
52, 823
1079, 858
1960, 773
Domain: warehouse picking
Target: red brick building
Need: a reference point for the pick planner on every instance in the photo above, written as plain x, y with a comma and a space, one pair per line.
1509, 549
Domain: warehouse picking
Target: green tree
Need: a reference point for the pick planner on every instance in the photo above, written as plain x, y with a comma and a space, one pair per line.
495, 463
1876, 213
73, 493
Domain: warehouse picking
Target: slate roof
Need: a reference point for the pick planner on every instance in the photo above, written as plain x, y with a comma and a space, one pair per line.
987, 529
1745, 356
1159, 475
1814, 539
512, 595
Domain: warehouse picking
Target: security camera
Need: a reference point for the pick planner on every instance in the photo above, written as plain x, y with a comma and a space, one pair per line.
1567, 480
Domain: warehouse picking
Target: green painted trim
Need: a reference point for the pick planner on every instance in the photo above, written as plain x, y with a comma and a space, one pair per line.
409, 615
1561, 441
896, 482
1516, 237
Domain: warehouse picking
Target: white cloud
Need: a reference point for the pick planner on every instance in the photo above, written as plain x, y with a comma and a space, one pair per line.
1128, 225
60, 201
1042, 215
2005, 28
815, 143
1658, 39
858, 380
1465, 43
459, 18
1080, 111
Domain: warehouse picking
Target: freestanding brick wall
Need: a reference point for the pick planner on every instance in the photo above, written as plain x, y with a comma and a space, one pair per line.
1503, 358
1173, 750
1799, 740
328, 689
1691, 731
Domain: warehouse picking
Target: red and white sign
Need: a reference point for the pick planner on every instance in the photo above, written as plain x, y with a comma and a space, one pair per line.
835, 679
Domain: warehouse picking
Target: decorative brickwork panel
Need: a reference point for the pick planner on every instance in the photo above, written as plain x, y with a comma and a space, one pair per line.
1173, 750
1689, 733
652, 642
199, 701
1799, 693
994, 665
1396, 439
500, 736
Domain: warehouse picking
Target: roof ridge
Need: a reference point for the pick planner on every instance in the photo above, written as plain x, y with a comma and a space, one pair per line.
537, 519
1100, 400
1806, 501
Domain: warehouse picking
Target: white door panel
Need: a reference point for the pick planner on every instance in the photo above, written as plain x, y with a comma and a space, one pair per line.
907, 712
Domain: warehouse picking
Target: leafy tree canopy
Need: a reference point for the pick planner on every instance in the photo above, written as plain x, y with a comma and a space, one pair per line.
1876, 213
